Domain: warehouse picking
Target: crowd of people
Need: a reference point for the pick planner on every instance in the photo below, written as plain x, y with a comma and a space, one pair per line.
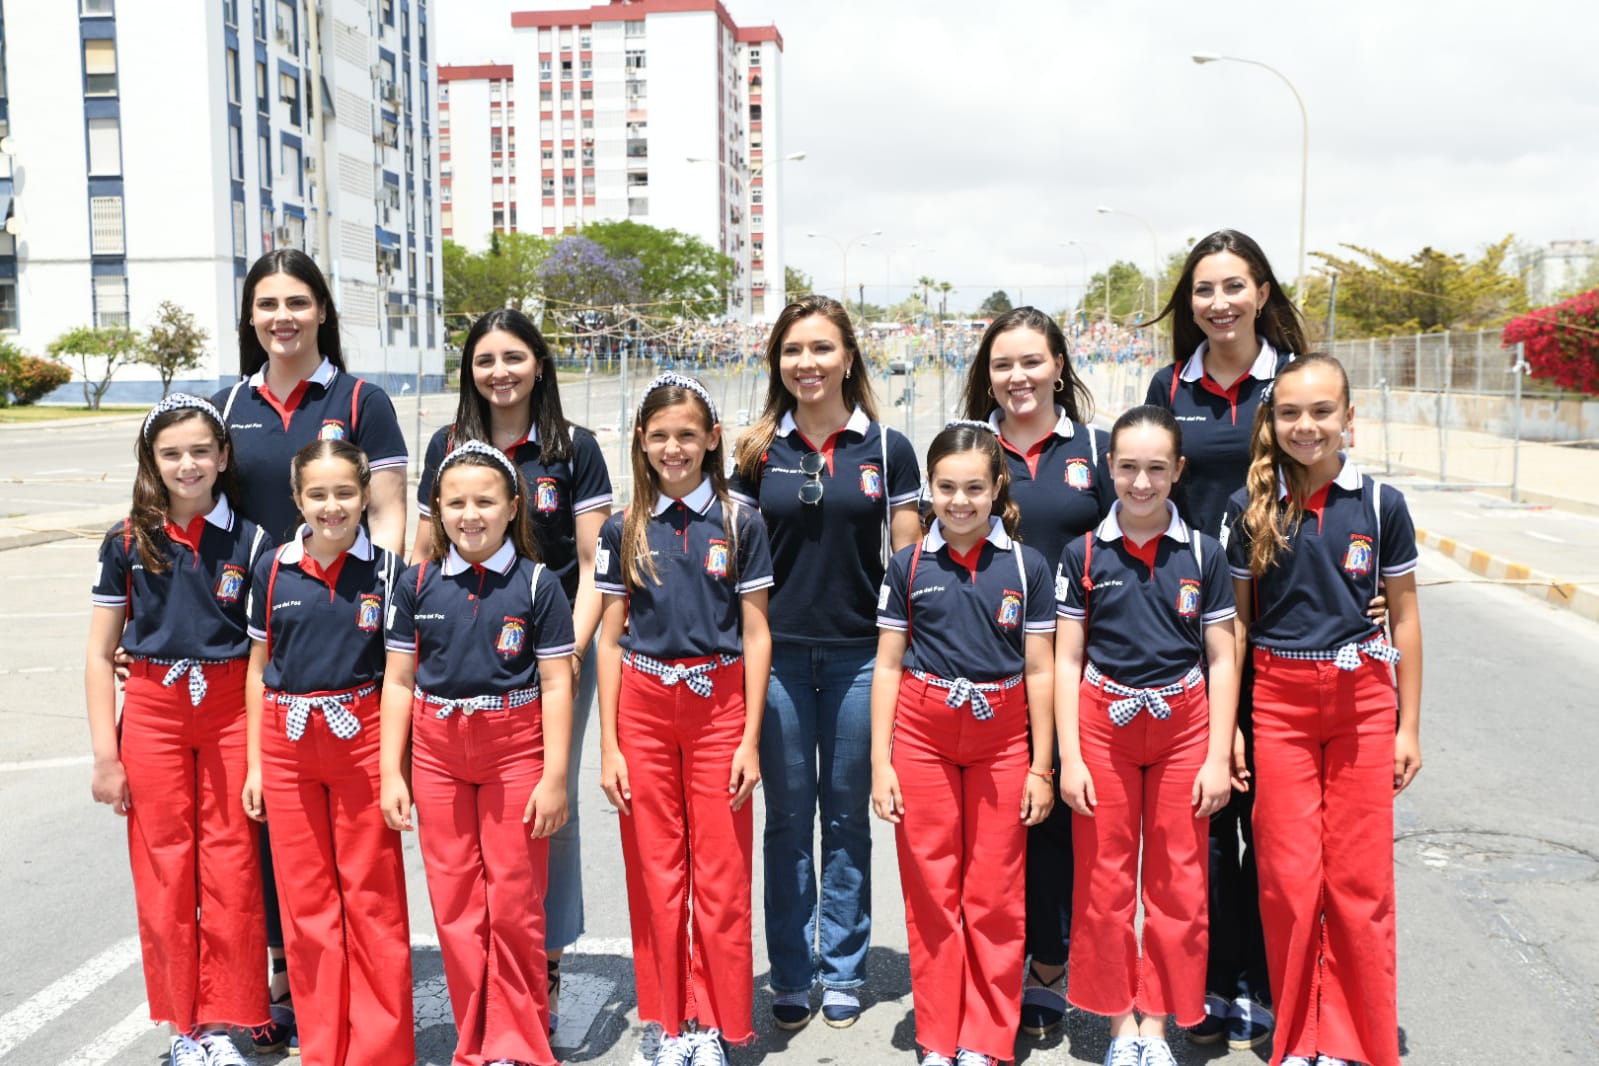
1176, 664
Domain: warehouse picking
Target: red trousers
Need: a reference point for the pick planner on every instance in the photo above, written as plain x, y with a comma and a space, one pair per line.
196, 867
688, 853
341, 884
471, 776
1324, 823
962, 860
1143, 775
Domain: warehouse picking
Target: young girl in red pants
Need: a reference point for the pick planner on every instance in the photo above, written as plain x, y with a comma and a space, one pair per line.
1146, 610
478, 690
684, 572
173, 580
961, 700
316, 667
1310, 537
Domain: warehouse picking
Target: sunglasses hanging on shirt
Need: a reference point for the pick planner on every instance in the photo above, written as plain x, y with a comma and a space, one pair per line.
811, 465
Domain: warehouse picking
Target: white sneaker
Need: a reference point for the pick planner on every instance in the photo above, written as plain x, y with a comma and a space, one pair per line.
219, 1050
1124, 1051
933, 1058
186, 1051
707, 1048
971, 1058
675, 1051
1328, 1060
1155, 1052
1295, 1060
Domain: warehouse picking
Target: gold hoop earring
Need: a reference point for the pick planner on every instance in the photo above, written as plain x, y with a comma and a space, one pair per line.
1060, 384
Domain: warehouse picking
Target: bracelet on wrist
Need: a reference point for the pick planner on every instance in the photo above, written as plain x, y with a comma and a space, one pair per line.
1045, 774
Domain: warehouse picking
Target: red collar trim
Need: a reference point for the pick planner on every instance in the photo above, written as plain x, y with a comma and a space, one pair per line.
330, 576
188, 536
1230, 393
1031, 455
287, 407
1316, 503
968, 559
1145, 552
827, 446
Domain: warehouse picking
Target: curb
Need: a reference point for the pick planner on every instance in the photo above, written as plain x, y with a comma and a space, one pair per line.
25, 531
1552, 590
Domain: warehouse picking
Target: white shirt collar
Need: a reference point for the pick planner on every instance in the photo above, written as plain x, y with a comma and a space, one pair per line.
221, 513
698, 501
1111, 527
858, 423
1063, 424
996, 536
294, 551
323, 375
500, 562
1348, 477
1264, 368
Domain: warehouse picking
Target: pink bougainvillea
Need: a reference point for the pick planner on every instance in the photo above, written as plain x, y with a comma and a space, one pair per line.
1562, 342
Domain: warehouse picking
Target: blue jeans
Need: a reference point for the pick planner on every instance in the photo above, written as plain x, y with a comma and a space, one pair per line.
563, 898
816, 746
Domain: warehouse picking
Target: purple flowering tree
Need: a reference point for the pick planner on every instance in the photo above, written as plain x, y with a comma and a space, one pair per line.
580, 273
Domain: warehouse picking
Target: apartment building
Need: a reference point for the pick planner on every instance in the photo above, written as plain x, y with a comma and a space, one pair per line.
152, 152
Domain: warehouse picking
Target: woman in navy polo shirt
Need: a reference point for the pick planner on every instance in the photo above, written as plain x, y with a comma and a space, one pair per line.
837, 489
510, 399
1233, 329
1022, 383
293, 390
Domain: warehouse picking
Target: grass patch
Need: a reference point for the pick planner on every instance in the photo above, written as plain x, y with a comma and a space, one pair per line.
36, 413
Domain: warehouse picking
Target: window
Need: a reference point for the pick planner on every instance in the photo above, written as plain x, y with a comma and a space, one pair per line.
585, 39
445, 194
230, 12
633, 28
566, 39
755, 112
105, 225
444, 144
546, 96
391, 133
289, 161
566, 129
497, 168
588, 185
756, 139
569, 185
496, 142
495, 92
111, 300
566, 99
100, 68
757, 249
261, 103
588, 156
8, 306
447, 220
105, 147
285, 23
588, 98
568, 154
266, 230
548, 156
586, 69
235, 153
239, 250
544, 70
638, 206
444, 92
95, 7
755, 57
289, 93
233, 75
499, 218
755, 195
263, 160
566, 70
635, 59
547, 187
546, 129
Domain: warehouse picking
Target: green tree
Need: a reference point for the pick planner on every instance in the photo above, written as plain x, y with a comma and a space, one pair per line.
1128, 292
996, 304
174, 344
104, 350
675, 269
796, 283
504, 273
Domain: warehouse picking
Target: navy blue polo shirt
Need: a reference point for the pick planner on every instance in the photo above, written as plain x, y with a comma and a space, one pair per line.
267, 431
827, 557
479, 629
695, 611
557, 493
966, 616
1149, 606
1315, 596
326, 627
1216, 425
197, 609
1062, 484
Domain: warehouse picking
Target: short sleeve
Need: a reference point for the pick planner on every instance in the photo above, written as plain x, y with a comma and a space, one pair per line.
1070, 599
1104, 482
400, 627
432, 459
552, 618
904, 477
743, 489
1159, 394
608, 557
754, 552
1397, 552
1217, 603
256, 603
891, 596
1235, 539
1040, 593
377, 429
591, 481
111, 582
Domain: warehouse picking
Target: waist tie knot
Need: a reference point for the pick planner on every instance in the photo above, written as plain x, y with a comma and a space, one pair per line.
195, 668
1153, 700
1348, 656
334, 707
470, 705
697, 677
965, 690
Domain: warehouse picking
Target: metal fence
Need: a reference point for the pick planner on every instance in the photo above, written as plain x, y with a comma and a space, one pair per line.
1475, 362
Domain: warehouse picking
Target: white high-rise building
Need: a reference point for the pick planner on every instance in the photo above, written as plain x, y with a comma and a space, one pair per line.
661, 111
154, 151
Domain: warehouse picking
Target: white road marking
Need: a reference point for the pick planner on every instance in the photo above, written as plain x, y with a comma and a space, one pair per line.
46, 764
109, 1045
21, 615
55, 999
1544, 536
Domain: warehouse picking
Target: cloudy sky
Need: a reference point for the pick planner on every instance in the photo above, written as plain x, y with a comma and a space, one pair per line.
987, 133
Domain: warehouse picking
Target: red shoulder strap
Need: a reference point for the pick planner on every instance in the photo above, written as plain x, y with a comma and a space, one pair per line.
1088, 571
127, 549
420, 570
1176, 372
272, 580
355, 395
910, 586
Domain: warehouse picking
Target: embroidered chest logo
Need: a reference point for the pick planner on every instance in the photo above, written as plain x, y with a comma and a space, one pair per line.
1188, 598
1357, 557
871, 482
513, 634
230, 586
332, 429
546, 497
1009, 615
1079, 475
369, 612
716, 558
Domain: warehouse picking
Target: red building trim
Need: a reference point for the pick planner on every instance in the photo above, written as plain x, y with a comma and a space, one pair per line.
479, 72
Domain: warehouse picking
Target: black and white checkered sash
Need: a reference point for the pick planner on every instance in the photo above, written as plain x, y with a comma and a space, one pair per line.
335, 708
470, 705
965, 690
1347, 657
1134, 700
697, 678
195, 668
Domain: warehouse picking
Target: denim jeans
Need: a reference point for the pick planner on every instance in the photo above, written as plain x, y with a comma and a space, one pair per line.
816, 747
563, 899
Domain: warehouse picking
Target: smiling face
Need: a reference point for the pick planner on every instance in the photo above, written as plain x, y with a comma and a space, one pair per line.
475, 509
331, 500
1022, 372
1309, 412
1144, 465
504, 370
286, 316
189, 458
1226, 299
675, 442
963, 491
813, 360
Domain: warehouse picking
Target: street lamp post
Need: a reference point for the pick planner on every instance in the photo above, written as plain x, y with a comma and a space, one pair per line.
1304, 147
746, 177
1154, 250
843, 252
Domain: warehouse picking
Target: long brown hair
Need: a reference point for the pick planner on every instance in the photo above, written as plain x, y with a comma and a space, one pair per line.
638, 565
148, 515
328, 449
1070, 391
544, 402
1279, 321
754, 443
963, 437
301, 267
519, 532
1268, 517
